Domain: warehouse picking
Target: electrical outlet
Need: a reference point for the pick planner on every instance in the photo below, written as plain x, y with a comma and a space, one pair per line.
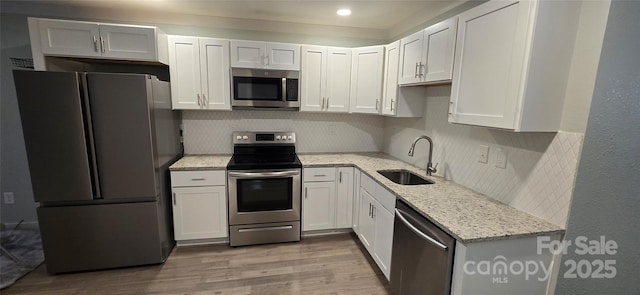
483, 154
8, 198
501, 158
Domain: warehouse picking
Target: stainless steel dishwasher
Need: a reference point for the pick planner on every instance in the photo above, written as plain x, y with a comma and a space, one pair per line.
422, 255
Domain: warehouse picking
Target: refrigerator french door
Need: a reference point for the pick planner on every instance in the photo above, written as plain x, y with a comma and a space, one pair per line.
99, 146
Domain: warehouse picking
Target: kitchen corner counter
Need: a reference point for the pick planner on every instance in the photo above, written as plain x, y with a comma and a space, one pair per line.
466, 215
201, 162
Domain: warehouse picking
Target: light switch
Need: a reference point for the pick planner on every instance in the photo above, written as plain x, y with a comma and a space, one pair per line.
501, 158
483, 154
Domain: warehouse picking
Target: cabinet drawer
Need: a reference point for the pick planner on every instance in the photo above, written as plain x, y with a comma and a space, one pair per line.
368, 184
381, 194
319, 174
386, 198
198, 178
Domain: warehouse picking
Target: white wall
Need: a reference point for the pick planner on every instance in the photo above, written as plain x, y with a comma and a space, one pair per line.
207, 132
584, 65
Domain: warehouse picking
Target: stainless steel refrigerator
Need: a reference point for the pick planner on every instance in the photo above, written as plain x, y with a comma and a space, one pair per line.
99, 146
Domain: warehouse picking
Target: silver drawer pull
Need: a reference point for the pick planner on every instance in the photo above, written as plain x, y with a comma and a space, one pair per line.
246, 230
198, 179
319, 175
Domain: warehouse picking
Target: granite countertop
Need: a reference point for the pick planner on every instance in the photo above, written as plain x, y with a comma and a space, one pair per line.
466, 215
201, 162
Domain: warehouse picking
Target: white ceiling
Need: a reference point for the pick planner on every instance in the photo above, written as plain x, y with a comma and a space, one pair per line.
390, 16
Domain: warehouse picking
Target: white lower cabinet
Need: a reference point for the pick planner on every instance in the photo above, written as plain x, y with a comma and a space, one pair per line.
199, 200
327, 198
375, 222
319, 203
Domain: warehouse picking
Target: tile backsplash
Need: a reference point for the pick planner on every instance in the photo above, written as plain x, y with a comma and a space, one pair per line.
540, 167
538, 177
207, 132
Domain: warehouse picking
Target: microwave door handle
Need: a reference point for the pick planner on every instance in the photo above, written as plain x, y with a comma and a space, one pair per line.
263, 174
284, 89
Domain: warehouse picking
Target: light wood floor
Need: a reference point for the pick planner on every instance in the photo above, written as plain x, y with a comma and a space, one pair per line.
320, 265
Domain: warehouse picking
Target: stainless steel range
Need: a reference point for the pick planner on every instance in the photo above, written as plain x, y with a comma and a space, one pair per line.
264, 182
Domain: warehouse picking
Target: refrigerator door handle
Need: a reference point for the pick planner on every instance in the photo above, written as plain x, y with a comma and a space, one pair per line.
91, 147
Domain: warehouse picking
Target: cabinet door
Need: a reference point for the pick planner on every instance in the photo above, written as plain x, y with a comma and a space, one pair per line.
383, 238
439, 44
199, 212
356, 200
69, 38
489, 60
366, 223
214, 74
410, 58
338, 79
366, 79
184, 68
282, 56
313, 78
128, 42
248, 54
344, 197
390, 86
319, 206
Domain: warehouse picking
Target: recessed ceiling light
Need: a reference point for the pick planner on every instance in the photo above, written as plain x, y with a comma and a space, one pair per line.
344, 12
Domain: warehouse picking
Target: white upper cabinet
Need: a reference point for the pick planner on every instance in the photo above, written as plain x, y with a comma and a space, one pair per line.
512, 64
70, 38
99, 40
325, 79
265, 55
366, 79
199, 69
396, 101
427, 56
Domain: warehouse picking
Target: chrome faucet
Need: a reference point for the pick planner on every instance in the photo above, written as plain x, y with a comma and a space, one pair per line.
430, 168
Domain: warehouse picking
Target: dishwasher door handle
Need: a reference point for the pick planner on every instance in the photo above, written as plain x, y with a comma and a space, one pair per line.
419, 233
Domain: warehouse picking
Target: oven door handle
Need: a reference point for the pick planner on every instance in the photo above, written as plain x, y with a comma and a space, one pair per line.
263, 174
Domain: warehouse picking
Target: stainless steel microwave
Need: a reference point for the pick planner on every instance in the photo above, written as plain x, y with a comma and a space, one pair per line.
261, 88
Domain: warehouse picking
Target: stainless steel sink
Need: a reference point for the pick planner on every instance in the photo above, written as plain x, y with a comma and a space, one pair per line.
404, 177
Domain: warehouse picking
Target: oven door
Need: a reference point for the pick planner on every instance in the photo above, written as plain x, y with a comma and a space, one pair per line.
260, 196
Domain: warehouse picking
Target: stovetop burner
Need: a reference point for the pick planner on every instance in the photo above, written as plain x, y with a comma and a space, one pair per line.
263, 151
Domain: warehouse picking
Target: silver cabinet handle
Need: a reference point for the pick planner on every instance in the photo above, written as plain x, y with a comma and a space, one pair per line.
102, 44
95, 43
306, 192
205, 102
174, 199
340, 177
244, 230
373, 212
198, 96
198, 179
392, 103
416, 71
319, 175
322, 104
420, 66
418, 232
370, 206
264, 174
327, 103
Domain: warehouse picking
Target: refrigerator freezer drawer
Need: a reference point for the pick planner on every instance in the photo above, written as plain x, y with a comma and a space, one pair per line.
78, 238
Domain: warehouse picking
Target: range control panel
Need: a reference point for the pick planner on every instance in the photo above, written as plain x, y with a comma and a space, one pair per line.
277, 137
